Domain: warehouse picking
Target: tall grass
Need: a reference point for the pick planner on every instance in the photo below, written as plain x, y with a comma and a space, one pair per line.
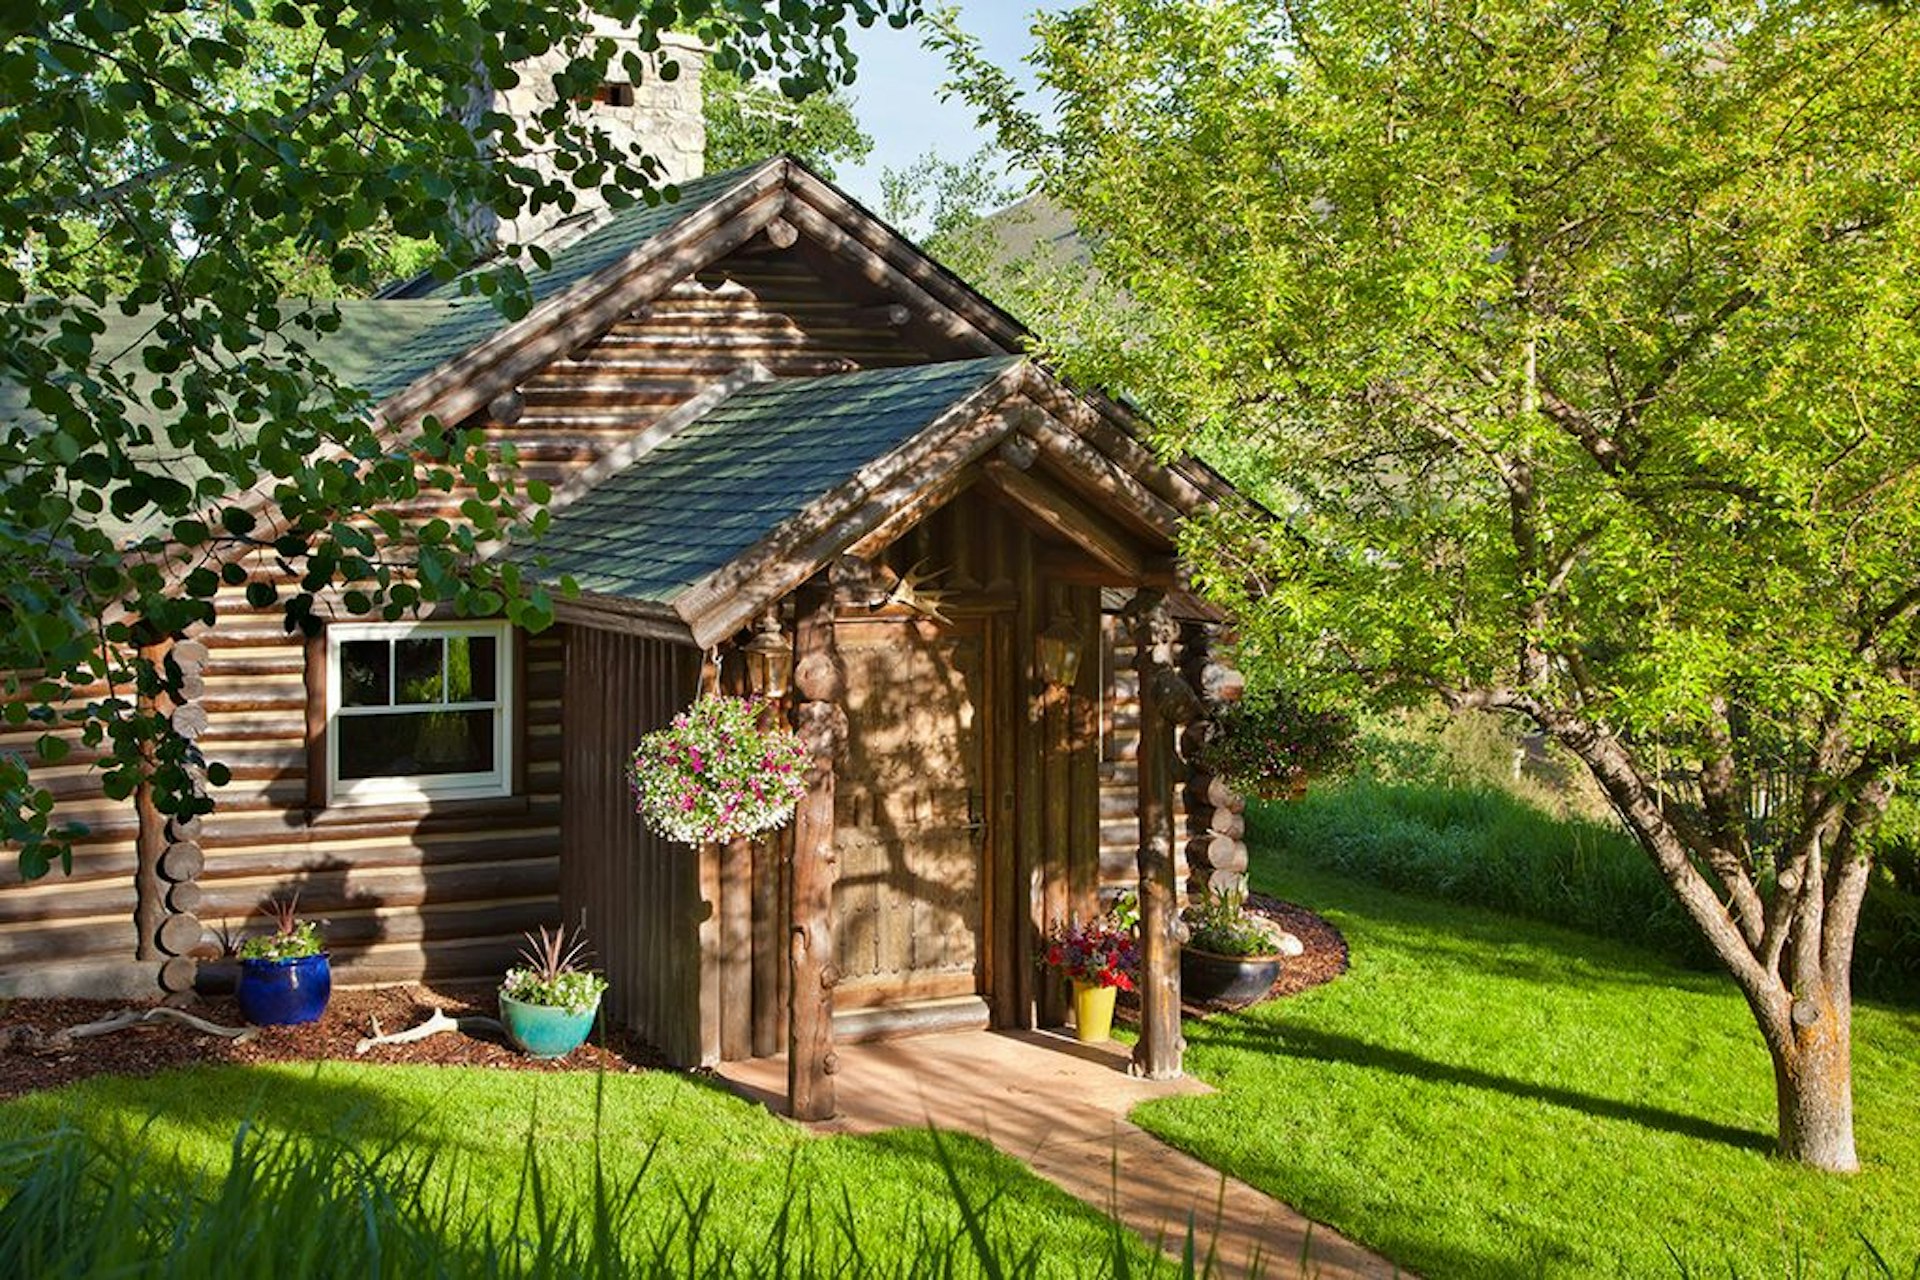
74, 1205
1488, 847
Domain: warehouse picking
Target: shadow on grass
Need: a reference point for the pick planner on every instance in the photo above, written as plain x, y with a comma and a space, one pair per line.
204, 1102
1323, 1046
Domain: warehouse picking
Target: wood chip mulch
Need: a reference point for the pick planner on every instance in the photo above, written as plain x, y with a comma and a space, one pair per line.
144, 1050
1325, 957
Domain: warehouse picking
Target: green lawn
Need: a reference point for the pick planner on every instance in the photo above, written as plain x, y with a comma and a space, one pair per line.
1485, 1096
474, 1124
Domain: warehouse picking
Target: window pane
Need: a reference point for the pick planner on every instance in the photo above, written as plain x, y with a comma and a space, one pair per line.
472, 673
411, 743
363, 673
416, 671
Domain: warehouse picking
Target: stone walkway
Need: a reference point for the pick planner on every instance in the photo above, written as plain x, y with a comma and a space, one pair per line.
1061, 1107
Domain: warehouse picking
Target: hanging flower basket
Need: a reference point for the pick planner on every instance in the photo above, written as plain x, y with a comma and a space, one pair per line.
1273, 744
716, 774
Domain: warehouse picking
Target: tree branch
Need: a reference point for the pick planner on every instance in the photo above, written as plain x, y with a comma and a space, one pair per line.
1632, 412
1639, 807
1726, 846
89, 201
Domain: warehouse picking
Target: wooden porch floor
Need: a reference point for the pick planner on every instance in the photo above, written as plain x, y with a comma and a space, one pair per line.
1061, 1107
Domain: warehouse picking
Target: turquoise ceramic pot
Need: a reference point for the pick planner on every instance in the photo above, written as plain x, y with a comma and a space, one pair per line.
543, 1031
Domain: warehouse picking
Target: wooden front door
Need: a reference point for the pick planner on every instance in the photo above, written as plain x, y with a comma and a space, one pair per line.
910, 812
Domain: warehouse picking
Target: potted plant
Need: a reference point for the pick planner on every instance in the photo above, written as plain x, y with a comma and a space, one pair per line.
286, 975
548, 1002
1101, 958
723, 770
1231, 956
1273, 744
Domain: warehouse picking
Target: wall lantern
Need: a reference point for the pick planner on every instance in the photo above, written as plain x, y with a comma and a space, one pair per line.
769, 658
1060, 652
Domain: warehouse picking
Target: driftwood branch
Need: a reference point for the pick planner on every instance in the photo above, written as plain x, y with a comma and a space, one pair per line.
433, 1026
25, 1038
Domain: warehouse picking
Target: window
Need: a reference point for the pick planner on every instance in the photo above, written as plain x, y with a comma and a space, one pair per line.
418, 710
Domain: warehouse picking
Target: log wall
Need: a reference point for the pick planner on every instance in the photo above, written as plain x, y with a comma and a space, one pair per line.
73, 934
640, 897
772, 309
440, 892
1119, 770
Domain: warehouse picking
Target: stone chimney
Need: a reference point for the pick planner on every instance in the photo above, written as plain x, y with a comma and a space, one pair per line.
661, 117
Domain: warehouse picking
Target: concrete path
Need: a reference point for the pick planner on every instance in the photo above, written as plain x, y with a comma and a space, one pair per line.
1061, 1107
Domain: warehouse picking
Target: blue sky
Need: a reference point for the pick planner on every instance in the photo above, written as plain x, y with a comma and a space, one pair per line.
896, 91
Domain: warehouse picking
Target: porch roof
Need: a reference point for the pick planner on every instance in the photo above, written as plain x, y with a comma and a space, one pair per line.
728, 479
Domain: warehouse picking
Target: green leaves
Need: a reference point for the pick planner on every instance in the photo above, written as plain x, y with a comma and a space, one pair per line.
177, 183
1552, 330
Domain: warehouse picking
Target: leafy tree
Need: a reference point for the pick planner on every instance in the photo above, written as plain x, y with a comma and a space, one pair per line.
950, 206
165, 430
747, 121
1018, 248
1574, 344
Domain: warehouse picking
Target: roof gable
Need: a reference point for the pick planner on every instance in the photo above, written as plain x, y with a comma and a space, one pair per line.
641, 253
733, 476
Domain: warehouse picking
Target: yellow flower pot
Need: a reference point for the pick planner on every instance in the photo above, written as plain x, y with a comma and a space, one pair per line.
1093, 1012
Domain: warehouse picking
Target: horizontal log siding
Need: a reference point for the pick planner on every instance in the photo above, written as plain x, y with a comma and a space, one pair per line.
436, 892
772, 309
1119, 775
61, 933
637, 895
439, 892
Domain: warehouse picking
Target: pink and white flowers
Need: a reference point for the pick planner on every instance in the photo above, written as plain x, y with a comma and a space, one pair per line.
715, 774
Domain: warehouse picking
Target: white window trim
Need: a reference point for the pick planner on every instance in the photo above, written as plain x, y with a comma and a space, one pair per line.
497, 781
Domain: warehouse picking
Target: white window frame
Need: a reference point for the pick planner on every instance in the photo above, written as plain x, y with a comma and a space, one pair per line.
495, 782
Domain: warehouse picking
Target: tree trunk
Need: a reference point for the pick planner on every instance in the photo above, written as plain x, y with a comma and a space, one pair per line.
1795, 974
1813, 1080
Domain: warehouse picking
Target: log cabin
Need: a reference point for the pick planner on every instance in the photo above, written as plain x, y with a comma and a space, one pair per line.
763, 413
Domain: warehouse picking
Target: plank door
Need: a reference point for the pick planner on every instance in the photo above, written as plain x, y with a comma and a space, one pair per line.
910, 812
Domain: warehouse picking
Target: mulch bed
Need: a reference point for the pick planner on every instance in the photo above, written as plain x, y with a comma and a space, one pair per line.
146, 1049
1324, 959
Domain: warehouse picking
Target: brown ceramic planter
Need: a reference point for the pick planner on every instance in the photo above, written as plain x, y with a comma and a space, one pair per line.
1207, 978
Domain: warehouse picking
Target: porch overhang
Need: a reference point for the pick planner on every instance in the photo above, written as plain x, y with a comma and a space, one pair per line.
932, 432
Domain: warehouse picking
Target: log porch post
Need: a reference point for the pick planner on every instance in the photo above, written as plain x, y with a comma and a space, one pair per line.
821, 721
1157, 1056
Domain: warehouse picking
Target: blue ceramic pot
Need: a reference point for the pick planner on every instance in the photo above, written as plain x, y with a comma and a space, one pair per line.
280, 993
543, 1031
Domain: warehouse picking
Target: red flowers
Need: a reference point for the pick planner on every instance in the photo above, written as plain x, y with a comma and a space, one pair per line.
1098, 952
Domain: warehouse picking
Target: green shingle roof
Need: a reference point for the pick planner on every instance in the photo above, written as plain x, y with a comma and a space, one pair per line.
384, 345
628, 230
620, 234
734, 475
378, 347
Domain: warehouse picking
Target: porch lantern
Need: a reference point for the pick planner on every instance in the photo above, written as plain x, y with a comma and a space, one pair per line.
1060, 652
769, 658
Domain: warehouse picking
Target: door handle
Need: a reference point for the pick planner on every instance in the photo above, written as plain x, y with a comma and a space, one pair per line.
977, 815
